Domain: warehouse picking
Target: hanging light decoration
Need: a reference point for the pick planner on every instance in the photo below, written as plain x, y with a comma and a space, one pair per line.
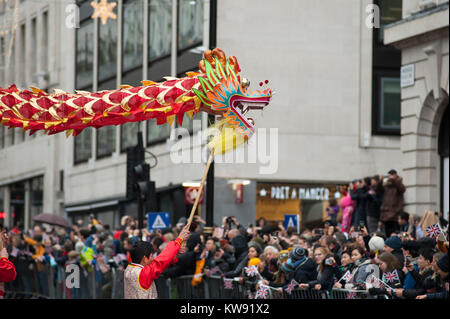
103, 10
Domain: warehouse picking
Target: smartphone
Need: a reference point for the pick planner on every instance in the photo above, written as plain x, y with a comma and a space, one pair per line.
408, 260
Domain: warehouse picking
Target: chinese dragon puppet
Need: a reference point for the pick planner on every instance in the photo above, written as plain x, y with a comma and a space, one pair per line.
217, 88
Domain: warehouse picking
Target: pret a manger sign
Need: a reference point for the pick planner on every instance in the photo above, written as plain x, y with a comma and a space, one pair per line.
288, 192
275, 200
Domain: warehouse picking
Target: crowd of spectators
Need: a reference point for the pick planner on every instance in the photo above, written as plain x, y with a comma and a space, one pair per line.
366, 233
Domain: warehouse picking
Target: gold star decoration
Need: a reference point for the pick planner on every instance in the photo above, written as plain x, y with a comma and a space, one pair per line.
103, 10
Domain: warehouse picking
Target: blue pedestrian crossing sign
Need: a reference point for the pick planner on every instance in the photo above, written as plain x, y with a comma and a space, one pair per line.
292, 221
158, 220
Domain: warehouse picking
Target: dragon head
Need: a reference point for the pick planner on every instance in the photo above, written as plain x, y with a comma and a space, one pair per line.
223, 92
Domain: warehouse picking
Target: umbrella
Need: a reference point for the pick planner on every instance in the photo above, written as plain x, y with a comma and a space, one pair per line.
51, 220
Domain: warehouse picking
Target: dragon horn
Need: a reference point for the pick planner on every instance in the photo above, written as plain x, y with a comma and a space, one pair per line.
205, 83
210, 73
219, 69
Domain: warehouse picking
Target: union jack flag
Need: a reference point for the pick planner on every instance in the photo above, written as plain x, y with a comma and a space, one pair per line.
347, 276
251, 271
291, 286
351, 295
391, 276
433, 231
227, 283
262, 293
371, 279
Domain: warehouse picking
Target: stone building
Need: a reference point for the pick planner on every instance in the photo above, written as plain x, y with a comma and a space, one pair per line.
422, 37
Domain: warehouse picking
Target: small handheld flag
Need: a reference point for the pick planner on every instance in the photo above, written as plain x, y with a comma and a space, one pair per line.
227, 283
291, 286
262, 293
433, 231
251, 271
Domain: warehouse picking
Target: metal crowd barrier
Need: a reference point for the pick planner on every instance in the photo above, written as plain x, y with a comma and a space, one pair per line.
50, 283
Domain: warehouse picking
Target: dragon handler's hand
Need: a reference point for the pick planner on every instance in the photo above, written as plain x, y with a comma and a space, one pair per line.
185, 233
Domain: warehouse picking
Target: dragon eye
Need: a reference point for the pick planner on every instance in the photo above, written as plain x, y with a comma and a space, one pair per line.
245, 82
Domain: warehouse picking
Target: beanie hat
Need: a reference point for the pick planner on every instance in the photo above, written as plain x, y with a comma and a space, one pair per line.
376, 244
254, 262
394, 242
443, 263
259, 241
297, 253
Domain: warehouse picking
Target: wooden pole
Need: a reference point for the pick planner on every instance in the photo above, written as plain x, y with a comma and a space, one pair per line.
200, 189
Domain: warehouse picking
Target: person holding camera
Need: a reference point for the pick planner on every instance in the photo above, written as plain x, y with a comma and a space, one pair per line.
423, 277
327, 269
358, 193
393, 200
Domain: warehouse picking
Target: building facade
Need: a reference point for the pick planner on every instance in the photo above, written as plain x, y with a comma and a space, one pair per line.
422, 37
335, 116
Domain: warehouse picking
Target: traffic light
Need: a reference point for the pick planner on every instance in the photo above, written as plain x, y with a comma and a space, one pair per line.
141, 179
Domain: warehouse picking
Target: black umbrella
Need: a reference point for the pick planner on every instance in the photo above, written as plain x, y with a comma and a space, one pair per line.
51, 220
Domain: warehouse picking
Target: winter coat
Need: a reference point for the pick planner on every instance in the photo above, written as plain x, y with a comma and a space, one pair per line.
360, 272
360, 196
240, 249
304, 273
423, 282
373, 204
238, 270
399, 254
347, 207
326, 276
393, 199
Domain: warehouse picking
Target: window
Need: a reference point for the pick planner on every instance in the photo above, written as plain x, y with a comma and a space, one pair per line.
390, 103
2, 136
19, 135
33, 63
17, 203
44, 37
83, 146
190, 35
160, 25
386, 63
85, 54
128, 135
133, 17
190, 23
20, 80
107, 50
106, 141
2, 60
37, 196
390, 11
157, 133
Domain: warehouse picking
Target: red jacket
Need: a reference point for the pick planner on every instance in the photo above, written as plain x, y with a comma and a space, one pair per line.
7, 273
7, 270
152, 271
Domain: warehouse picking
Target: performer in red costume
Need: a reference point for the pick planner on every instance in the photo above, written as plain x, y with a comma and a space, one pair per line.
7, 270
140, 274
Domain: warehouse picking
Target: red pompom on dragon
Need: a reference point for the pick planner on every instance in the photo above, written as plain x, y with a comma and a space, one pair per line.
217, 88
